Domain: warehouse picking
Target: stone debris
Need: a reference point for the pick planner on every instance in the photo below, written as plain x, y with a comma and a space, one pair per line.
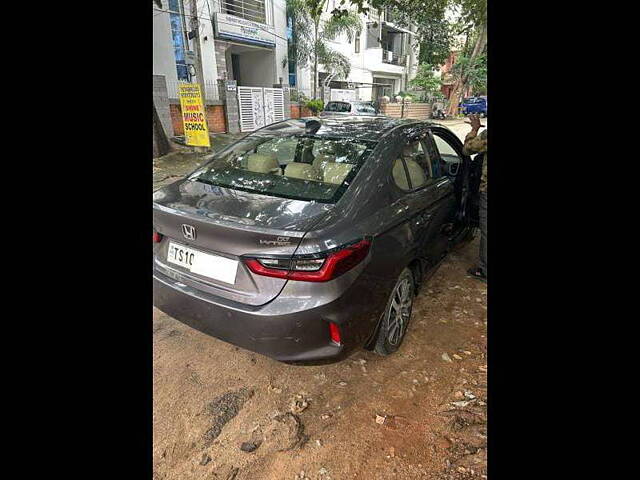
299, 404
457, 357
446, 358
249, 446
273, 389
462, 404
380, 419
285, 432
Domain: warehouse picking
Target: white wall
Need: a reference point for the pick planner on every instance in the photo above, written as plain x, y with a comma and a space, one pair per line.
164, 62
266, 66
280, 26
207, 47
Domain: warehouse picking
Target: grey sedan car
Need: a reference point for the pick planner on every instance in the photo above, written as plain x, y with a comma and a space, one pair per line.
309, 238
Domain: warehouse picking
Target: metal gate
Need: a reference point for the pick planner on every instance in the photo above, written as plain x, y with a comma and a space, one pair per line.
259, 107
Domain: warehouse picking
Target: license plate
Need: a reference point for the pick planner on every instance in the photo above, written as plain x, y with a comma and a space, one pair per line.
212, 266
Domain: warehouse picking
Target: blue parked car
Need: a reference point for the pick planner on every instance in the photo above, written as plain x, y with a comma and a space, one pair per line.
474, 105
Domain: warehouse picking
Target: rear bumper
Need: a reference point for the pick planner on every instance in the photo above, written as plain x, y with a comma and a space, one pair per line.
299, 336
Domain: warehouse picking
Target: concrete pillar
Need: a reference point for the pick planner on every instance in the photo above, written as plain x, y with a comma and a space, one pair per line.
161, 101
229, 96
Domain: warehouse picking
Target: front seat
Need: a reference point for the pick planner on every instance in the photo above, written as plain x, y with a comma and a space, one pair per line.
263, 163
303, 171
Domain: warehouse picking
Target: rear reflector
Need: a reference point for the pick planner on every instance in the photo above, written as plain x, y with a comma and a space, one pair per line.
334, 331
321, 268
157, 237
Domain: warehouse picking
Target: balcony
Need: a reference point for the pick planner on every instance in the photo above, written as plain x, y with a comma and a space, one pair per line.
393, 58
252, 10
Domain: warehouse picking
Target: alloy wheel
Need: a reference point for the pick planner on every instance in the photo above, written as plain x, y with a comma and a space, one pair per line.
399, 312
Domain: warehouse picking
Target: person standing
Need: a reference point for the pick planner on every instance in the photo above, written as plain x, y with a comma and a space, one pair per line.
474, 143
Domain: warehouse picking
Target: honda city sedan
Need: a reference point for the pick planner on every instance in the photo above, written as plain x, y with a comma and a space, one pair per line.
310, 238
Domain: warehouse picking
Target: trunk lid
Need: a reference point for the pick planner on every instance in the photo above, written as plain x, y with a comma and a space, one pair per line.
230, 223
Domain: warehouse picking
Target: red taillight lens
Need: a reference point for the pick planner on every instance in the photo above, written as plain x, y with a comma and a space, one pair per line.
334, 331
157, 237
306, 269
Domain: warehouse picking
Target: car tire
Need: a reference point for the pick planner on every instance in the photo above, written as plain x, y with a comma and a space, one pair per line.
389, 339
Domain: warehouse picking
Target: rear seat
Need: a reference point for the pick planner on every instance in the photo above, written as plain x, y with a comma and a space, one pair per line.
336, 172
303, 171
263, 163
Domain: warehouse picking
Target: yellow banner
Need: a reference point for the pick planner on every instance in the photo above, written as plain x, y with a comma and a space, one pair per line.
194, 119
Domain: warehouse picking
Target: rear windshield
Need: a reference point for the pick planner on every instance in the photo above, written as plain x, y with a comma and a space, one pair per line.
365, 108
341, 107
302, 167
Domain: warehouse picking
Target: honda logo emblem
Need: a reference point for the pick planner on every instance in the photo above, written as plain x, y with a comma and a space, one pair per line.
188, 231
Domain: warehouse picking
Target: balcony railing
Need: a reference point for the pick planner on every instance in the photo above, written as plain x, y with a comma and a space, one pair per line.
393, 58
253, 10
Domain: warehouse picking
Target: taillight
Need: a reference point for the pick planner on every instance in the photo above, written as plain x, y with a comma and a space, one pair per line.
334, 332
320, 268
157, 237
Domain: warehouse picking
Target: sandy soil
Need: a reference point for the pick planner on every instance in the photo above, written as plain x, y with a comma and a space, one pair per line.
213, 403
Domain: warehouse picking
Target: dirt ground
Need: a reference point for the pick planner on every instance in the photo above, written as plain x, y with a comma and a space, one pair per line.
220, 412
210, 397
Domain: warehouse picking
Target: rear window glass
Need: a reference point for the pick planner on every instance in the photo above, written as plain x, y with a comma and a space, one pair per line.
365, 108
301, 167
340, 107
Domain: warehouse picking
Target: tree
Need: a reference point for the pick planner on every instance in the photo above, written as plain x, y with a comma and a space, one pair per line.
426, 79
433, 31
473, 14
472, 73
310, 34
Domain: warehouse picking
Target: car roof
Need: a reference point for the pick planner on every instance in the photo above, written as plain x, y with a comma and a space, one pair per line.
354, 127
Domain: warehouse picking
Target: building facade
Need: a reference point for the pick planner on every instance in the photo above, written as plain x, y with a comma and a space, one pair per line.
239, 40
383, 59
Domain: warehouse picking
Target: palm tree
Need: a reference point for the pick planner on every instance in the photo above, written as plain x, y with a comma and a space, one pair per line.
310, 34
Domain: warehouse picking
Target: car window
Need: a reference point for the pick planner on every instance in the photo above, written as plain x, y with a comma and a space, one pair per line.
451, 160
283, 148
340, 107
417, 164
364, 108
302, 167
400, 174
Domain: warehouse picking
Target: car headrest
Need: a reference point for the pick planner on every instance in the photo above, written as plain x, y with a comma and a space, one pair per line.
262, 163
322, 159
303, 171
336, 172
416, 173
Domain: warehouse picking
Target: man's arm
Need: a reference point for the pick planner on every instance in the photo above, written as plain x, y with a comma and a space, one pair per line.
474, 143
